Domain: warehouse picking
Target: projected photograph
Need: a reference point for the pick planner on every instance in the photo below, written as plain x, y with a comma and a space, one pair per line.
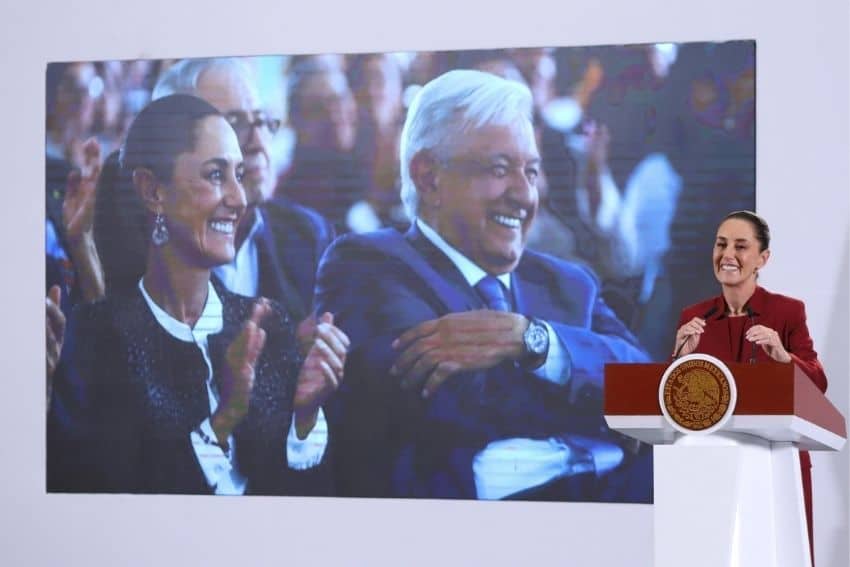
378, 274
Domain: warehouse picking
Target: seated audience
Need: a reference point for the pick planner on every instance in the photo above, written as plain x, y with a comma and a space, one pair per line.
324, 175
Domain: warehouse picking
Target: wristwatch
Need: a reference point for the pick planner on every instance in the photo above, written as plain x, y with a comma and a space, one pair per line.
536, 344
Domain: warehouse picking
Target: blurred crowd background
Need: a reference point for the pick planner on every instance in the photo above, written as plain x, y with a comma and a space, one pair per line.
645, 148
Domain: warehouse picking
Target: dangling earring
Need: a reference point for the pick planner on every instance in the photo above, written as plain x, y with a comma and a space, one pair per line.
160, 231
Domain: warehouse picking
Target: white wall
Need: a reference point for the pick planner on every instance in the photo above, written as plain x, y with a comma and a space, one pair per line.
803, 181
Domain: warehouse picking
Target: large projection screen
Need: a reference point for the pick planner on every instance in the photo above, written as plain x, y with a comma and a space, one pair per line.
803, 140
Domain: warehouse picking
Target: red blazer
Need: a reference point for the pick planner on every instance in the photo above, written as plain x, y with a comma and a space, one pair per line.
785, 315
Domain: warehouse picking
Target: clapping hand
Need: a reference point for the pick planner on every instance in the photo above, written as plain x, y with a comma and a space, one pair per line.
237, 380
305, 334
78, 219
78, 206
320, 374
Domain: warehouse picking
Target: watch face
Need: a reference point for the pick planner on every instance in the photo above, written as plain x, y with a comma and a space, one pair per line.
537, 338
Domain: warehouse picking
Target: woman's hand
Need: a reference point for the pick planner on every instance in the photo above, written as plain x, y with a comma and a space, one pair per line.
305, 334
320, 374
238, 375
688, 336
769, 341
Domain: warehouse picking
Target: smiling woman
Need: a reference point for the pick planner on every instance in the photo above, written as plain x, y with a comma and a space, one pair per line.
748, 322
205, 200
188, 388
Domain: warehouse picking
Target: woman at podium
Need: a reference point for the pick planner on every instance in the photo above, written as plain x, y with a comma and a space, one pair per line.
747, 323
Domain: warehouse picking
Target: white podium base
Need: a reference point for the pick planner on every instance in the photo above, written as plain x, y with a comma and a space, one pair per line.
729, 501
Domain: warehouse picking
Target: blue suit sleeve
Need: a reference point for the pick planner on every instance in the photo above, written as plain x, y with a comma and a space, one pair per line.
589, 349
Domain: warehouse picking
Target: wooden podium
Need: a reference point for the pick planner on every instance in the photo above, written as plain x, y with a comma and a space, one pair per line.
731, 497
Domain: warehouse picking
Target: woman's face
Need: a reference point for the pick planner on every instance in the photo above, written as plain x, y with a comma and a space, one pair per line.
736, 256
204, 201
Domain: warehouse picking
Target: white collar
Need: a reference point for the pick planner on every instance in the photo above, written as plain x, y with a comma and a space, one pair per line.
259, 223
211, 319
471, 272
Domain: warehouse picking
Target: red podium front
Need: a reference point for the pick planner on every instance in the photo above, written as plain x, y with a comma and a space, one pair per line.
733, 496
776, 402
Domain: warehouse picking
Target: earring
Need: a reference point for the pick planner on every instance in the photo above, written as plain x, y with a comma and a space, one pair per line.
160, 231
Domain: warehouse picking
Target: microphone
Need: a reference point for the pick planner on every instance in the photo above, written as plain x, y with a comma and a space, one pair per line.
705, 315
751, 316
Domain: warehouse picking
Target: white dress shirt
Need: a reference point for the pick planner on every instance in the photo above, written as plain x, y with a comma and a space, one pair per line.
242, 275
508, 466
222, 470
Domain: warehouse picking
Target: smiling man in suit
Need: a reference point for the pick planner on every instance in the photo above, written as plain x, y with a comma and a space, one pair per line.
476, 366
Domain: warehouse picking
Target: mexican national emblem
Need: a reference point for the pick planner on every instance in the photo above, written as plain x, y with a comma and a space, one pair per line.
697, 393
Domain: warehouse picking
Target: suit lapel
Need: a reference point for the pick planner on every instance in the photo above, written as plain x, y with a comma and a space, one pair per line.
536, 292
273, 281
440, 274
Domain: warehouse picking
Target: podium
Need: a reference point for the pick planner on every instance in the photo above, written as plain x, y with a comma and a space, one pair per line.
730, 495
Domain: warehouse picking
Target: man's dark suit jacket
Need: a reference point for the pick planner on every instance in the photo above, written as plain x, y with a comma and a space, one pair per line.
390, 442
289, 247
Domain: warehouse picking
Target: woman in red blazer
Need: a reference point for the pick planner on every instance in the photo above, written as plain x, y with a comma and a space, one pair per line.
748, 323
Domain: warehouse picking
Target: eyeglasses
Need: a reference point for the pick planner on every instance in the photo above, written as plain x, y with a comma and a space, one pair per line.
243, 125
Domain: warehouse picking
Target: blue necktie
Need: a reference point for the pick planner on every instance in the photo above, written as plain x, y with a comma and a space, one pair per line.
492, 292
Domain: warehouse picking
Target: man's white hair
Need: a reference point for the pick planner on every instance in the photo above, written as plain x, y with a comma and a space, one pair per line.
183, 76
451, 106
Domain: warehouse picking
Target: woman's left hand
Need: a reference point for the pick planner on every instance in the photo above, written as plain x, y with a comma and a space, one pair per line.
237, 377
320, 374
769, 341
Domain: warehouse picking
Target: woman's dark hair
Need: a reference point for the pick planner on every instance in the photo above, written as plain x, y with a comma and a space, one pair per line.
121, 227
163, 130
759, 226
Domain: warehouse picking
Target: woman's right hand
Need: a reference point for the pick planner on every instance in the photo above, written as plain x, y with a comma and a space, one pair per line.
321, 373
238, 376
688, 336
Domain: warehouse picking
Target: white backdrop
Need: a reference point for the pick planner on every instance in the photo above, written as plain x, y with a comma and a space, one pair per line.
803, 143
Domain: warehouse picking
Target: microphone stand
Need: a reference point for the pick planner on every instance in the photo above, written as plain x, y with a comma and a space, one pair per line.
751, 316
